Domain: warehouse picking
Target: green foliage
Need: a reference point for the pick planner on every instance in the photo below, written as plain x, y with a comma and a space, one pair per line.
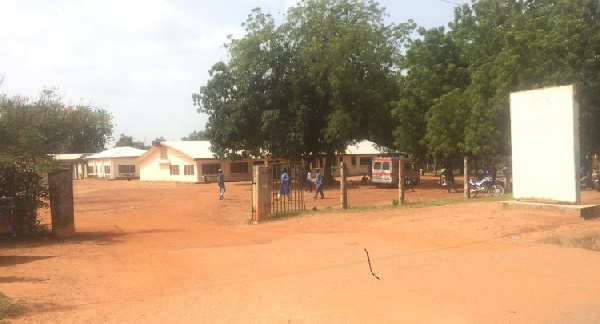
21, 179
333, 72
29, 131
196, 136
493, 48
126, 140
446, 125
321, 80
516, 45
434, 68
47, 126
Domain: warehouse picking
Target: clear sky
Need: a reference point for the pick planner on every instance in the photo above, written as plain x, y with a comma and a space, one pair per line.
141, 60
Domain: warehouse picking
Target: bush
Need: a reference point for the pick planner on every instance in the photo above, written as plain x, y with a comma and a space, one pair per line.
21, 179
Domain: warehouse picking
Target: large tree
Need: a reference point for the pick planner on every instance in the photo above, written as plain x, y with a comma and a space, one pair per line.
324, 78
456, 83
47, 125
434, 67
29, 131
520, 45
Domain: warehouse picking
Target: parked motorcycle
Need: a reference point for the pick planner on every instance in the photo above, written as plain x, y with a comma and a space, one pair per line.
486, 185
596, 179
586, 181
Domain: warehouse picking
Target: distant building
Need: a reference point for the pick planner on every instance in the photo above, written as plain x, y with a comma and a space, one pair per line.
75, 162
358, 158
116, 163
191, 161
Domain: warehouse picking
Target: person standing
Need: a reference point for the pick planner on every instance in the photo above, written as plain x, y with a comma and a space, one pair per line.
450, 177
308, 181
221, 183
284, 187
318, 185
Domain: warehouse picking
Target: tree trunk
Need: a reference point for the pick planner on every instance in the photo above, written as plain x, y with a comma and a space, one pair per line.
328, 178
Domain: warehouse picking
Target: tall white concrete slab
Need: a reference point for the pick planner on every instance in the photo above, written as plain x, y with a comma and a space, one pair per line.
545, 144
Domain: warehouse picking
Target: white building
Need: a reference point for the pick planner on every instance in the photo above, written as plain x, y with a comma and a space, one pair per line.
191, 161
75, 162
116, 163
358, 158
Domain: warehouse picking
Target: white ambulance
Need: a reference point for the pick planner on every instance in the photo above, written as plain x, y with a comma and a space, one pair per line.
385, 170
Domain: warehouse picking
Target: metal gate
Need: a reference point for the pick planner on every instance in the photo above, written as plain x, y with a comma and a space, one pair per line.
294, 200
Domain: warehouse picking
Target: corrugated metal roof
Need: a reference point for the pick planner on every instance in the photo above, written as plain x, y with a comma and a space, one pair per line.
364, 148
194, 149
118, 152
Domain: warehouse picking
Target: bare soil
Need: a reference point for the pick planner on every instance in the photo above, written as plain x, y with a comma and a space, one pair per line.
149, 252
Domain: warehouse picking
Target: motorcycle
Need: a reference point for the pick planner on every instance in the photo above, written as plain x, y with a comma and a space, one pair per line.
586, 181
486, 185
596, 179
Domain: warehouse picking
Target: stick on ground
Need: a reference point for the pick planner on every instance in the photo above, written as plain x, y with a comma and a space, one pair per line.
371, 268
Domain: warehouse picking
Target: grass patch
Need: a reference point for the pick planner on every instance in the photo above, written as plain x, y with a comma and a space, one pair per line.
10, 308
394, 205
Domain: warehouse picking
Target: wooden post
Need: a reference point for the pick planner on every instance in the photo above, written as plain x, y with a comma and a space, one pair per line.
401, 181
343, 189
61, 203
467, 193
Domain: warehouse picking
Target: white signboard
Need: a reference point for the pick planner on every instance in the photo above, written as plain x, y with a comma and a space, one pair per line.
545, 144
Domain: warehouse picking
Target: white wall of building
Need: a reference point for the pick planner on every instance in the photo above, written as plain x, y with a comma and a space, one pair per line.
98, 170
545, 144
156, 168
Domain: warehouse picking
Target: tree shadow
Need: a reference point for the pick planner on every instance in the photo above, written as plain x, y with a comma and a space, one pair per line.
100, 238
11, 260
12, 279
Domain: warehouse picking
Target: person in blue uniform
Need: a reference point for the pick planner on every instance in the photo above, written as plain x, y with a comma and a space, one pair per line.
318, 185
221, 184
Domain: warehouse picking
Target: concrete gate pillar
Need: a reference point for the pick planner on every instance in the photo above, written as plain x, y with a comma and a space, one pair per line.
261, 192
61, 203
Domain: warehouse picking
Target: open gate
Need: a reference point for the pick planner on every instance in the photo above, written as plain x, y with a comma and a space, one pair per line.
282, 203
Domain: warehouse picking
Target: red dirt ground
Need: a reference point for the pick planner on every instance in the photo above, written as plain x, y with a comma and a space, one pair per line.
148, 252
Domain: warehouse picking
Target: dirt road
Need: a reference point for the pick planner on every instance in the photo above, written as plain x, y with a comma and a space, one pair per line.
150, 252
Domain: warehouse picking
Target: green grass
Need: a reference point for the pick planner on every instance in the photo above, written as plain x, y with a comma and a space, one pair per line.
393, 205
10, 308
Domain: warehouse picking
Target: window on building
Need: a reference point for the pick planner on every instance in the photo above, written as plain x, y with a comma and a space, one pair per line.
107, 169
126, 168
174, 169
188, 170
163, 152
365, 161
210, 168
90, 169
239, 167
353, 160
